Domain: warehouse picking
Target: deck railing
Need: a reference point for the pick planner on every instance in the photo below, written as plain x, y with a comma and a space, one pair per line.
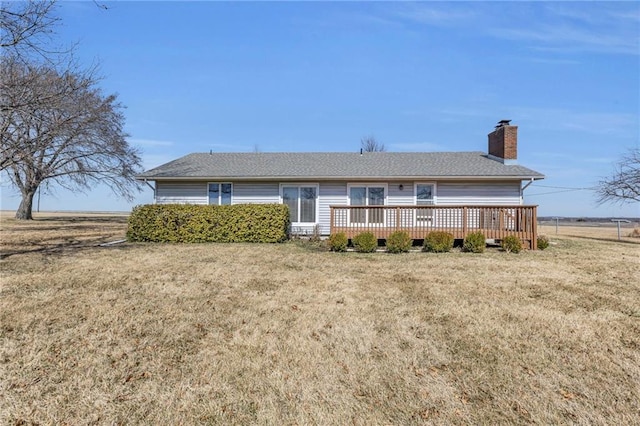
495, 222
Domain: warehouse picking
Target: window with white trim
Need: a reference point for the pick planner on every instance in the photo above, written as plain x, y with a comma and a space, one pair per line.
220, 193
367, 195
425, 196
302, 201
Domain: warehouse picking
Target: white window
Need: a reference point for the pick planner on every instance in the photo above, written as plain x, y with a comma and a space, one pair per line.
425, 196
302, 200
220, 193
367, 195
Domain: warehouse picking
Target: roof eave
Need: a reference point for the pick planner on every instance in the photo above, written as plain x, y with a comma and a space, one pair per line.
337, 178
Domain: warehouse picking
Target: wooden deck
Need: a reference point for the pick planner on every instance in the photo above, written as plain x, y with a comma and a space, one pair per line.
495, 222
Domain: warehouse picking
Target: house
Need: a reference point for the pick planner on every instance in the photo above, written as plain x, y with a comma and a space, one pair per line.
377, 191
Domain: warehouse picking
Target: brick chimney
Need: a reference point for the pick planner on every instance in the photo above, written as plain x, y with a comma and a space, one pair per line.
503, 143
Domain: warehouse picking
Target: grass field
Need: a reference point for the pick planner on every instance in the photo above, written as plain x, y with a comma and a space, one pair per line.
289, 334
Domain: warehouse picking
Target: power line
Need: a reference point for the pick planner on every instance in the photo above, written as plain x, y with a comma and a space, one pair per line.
563, 187
557, 192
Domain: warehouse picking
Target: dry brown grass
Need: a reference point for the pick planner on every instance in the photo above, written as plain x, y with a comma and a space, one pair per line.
51, 232
606, 232
280, 334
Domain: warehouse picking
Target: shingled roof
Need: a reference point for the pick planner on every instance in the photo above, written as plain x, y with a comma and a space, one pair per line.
337, 165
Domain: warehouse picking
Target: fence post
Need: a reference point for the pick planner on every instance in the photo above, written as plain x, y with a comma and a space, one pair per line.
619, 220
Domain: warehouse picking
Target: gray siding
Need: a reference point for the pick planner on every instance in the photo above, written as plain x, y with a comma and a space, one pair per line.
196, 193
255, 193
181, 193
331, 193
335, 193
397, 197
478, 193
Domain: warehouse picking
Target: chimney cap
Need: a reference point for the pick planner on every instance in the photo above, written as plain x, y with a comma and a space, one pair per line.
503, 123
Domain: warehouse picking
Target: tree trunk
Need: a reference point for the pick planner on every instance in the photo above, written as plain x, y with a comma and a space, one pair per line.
25, 208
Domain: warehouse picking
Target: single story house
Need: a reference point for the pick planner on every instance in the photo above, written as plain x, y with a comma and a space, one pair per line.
375, 191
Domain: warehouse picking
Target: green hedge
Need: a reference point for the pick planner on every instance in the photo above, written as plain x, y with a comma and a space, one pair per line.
543, 242
399, 242
438, 242
338, 242
474, 242
511, 244
365, 242
189, 223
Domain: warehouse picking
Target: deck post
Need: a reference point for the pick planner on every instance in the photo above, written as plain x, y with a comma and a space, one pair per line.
397, 218
464, 221
332, 221
534, 228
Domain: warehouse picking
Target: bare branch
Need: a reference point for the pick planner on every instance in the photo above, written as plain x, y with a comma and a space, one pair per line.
623, 186
370, 144
25, 27
100, 5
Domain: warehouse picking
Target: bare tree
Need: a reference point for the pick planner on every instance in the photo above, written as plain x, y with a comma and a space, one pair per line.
20, 95
623, 186
25, 29
370, 144
25, 26
63, 131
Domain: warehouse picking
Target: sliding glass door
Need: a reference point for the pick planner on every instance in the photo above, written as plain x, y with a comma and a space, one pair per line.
367, 196
302, 202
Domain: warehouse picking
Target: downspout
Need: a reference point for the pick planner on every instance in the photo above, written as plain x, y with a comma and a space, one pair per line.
153, 188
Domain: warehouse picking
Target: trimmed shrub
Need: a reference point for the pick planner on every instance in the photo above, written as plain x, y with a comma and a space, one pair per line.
365, 242
543, 242
474, 242
190, 223
399, 242
511, 244
338, 242
438, 242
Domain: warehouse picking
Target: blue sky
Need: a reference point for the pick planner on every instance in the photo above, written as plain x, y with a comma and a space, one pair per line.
319, 76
